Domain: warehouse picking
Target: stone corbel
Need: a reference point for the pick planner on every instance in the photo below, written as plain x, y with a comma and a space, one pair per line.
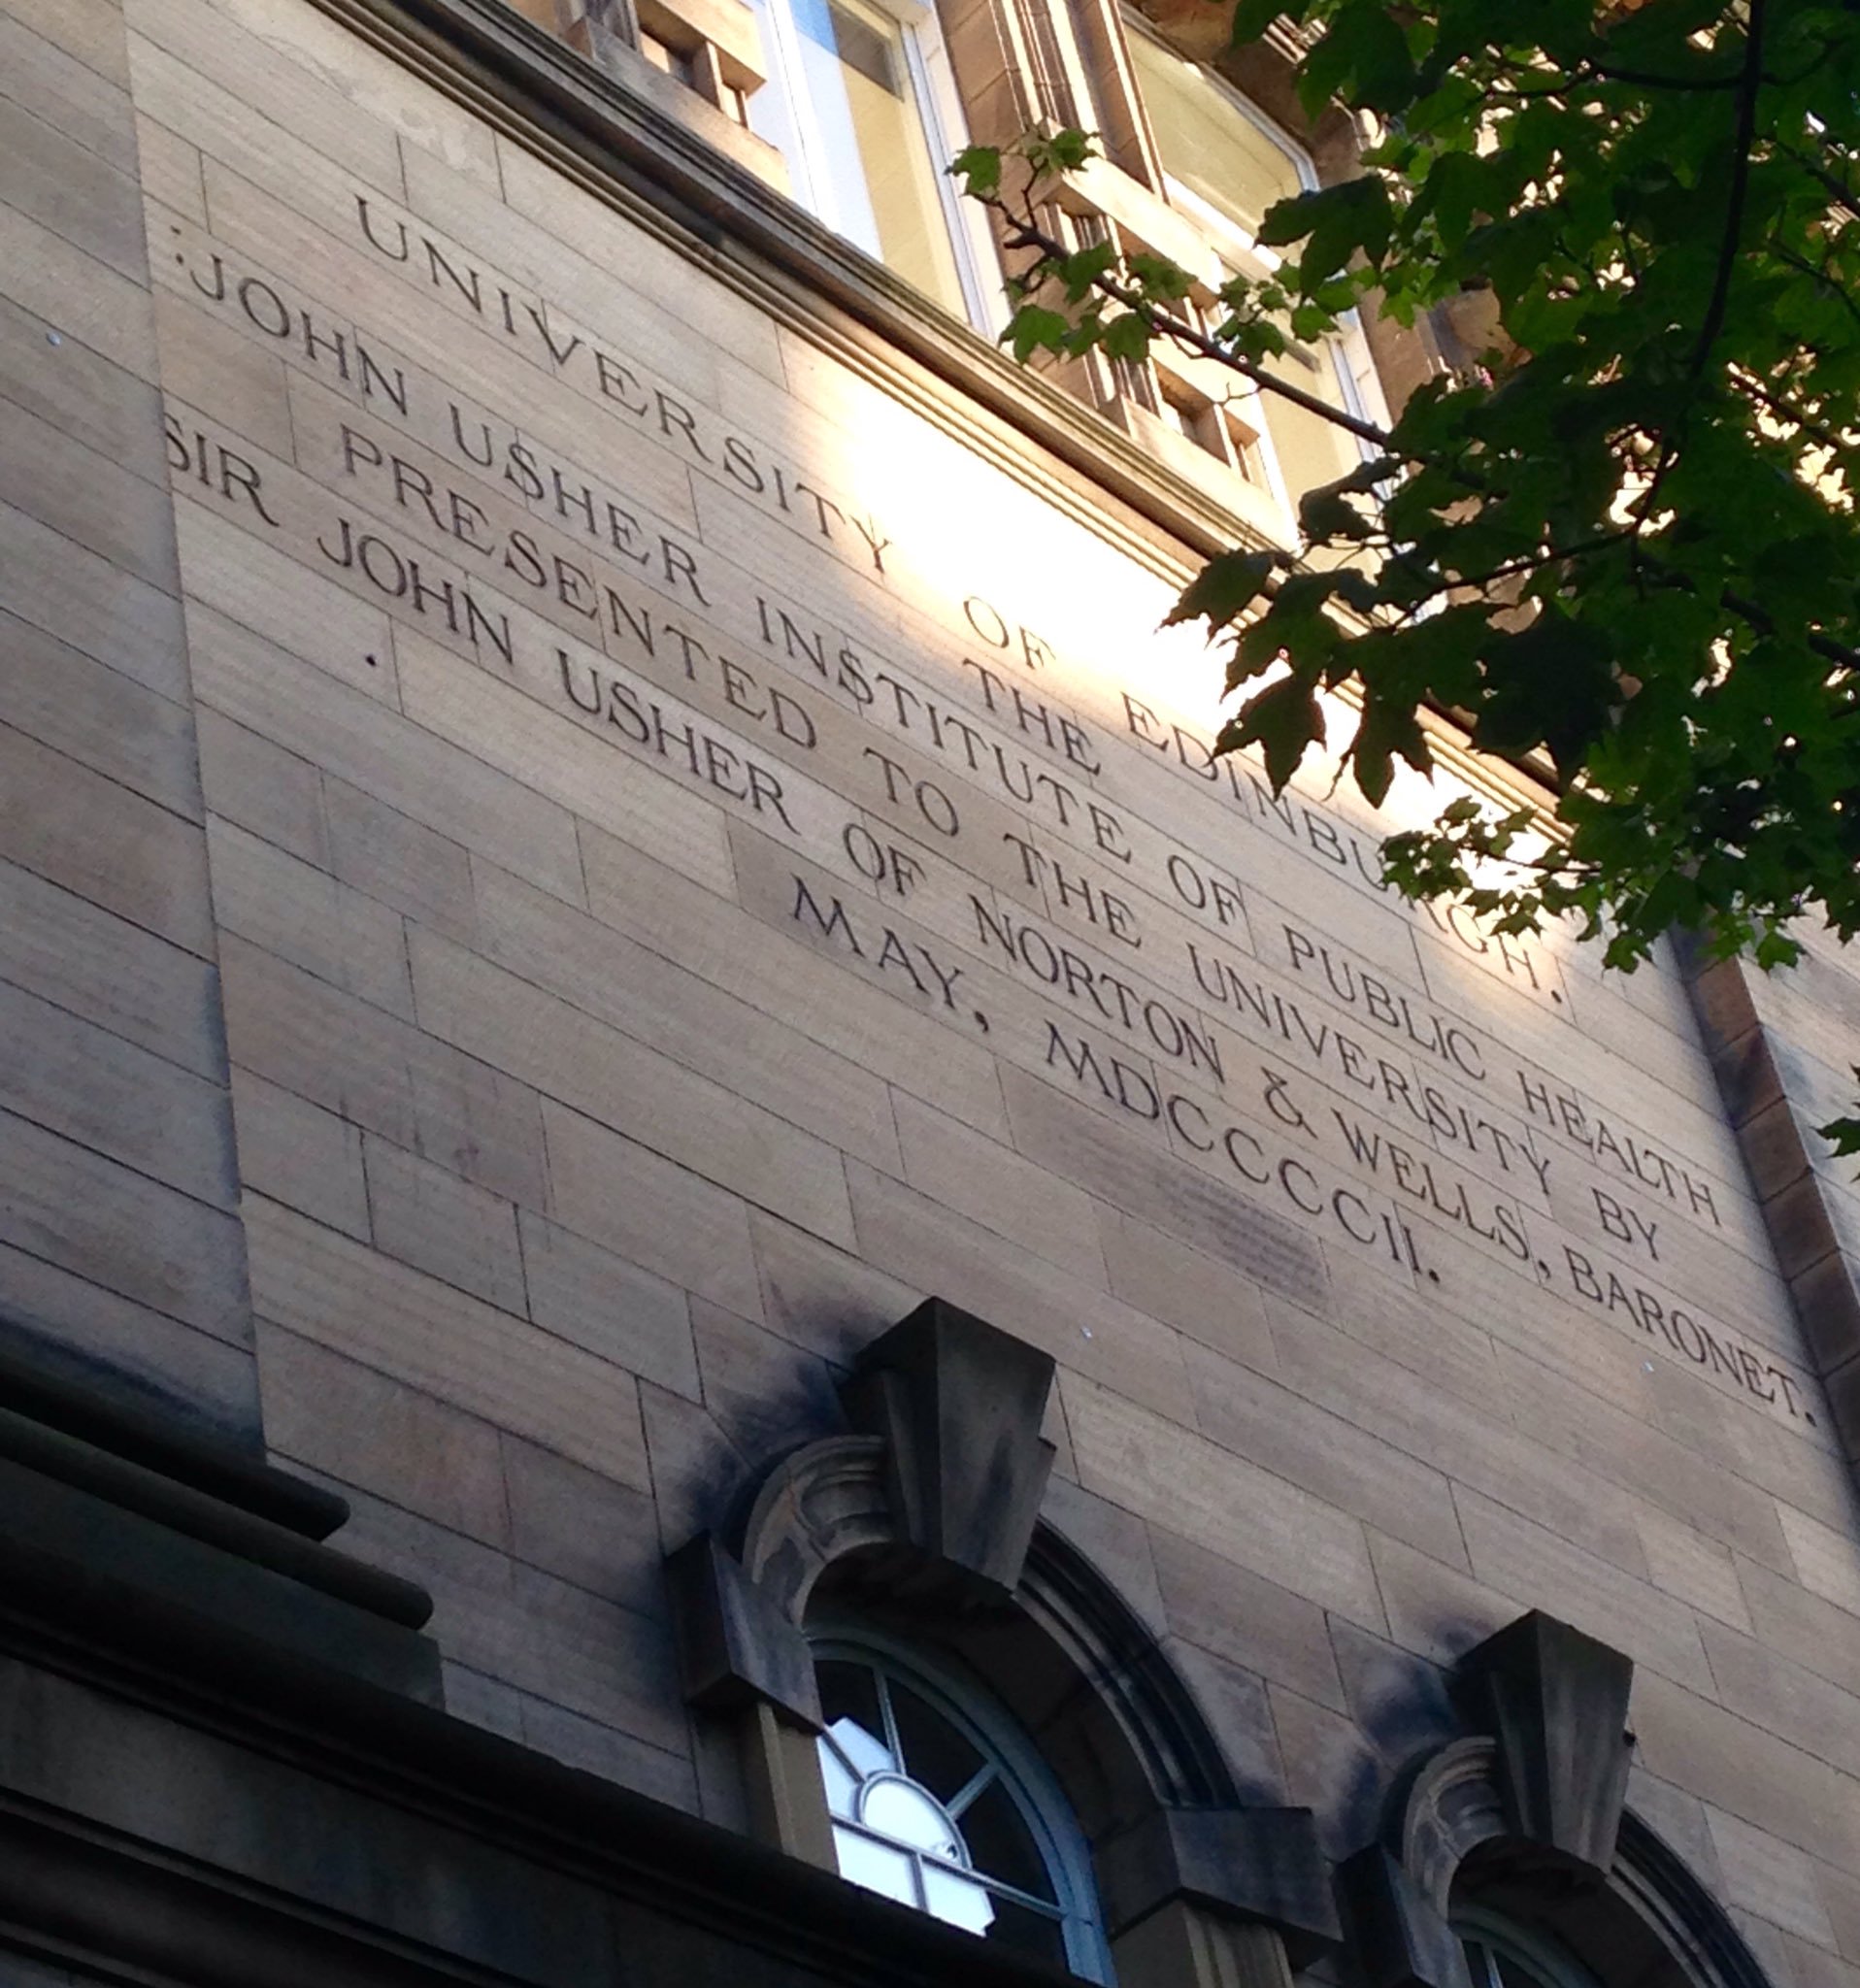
1216, 1898
958, 1405
1556, 1702
1542, 1769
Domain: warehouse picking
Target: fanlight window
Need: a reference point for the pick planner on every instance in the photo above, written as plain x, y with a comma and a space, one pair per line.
1502, 1955
939, 1808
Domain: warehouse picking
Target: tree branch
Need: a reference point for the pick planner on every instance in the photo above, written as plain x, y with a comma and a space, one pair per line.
1751, 86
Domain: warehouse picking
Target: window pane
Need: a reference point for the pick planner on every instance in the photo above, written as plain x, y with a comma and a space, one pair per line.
874, 1866
850, 1698
958, 1900
935, 1753
872, 148
1206, 140
842, 1784
1000, 1843
904, 1812
1022, 1930
1310, 449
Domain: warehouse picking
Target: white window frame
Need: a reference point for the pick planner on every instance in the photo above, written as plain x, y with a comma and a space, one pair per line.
1032, 1784
939, 108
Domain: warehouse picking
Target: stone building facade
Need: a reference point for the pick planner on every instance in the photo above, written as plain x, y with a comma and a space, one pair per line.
687, 1203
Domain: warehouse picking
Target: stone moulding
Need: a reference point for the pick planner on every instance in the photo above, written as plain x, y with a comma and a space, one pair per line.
1528, 1815
934, 1500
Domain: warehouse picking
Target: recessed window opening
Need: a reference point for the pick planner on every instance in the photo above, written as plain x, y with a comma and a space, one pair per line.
1225, 163
939, 1801
862, 108
1502, 1954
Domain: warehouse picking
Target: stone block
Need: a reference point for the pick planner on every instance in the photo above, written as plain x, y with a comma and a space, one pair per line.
206, 364
232, 70
582, 1527
302, 914
680, 1011
1532, 1565
768, 1394
1770, 1878
83, 831
440, 1342
171, 179
586, 1294
1253, 1864
89, 961
72, 191
1684, 1563
273, 793
649, 1209
1081, 1145
94, 1087
1337, 1459
75, 293
445, 1226
376, 849
77, 393
821, 1298
1174, 1479
296, 705
136, 1237
97, 716
994, 1186
1400, 1940
1201, 1298
959, 1403
930, 1247
83, 495
294, 1151
352, 1423
104, 1340
383, 1075
90, 31
1244, 1618
567, 1054
735, 1647
1824, 1558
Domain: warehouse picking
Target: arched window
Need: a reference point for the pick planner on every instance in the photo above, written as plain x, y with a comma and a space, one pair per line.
938, 1801
1500, 1953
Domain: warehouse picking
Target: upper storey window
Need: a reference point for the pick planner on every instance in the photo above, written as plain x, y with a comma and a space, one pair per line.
1225, 162
860, 105
1224, 165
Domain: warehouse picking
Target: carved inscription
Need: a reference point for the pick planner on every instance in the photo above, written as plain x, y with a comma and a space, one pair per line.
1073, 878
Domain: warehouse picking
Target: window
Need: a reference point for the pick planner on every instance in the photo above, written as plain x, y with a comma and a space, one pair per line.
860, 105
1224, 164
1500, 1954
938, 1801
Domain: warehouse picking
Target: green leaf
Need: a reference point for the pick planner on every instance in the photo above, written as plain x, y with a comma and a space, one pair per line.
1285, 719
981, 166
1223, 589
